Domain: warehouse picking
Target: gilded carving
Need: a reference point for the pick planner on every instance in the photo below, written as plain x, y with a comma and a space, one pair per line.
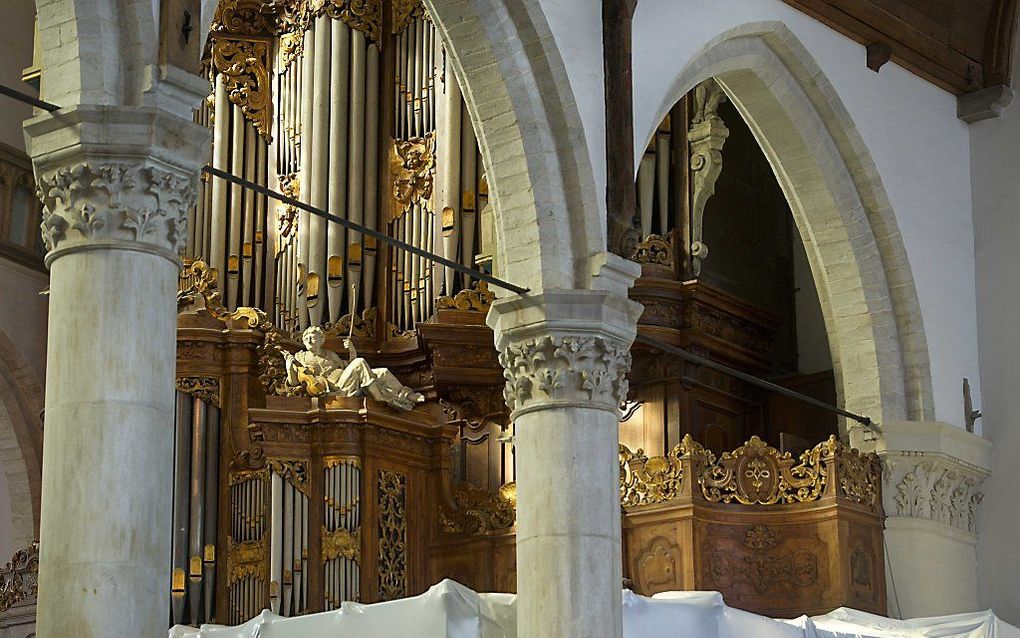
244, 65
392, 535
756, 474
113, 201
477, 511
245, 17
405, 11
477, 298
19, 579
204, 388
247, 559
294, 471
363, 15
585, 370
412, 166
645, 480
655, 249
339, 543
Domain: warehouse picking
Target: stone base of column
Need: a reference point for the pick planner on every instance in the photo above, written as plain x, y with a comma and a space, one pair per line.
932, 474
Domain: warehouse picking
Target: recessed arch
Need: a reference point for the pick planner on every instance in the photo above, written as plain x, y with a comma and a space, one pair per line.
21, 404
839, 204
549, 223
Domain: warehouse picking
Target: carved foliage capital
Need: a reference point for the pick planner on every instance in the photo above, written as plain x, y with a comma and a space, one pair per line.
110, 201
586, 370
933, 487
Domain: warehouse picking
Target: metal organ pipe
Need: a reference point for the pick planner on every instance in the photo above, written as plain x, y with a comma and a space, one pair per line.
318, 168
356, 163
212, 459
469, 182
662, 178
306, 95
450, 174
182, 460
646, 189
338, 141
221, 158
247, 247
371, 173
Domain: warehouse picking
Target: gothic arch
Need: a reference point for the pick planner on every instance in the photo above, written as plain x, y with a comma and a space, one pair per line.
857, 257
548, 220
21, 404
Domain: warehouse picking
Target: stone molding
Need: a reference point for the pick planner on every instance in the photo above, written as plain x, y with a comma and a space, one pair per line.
569, 348
933, 472
115, 177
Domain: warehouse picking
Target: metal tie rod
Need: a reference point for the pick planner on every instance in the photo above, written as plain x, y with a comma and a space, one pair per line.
27, 99
258, 188
743, 376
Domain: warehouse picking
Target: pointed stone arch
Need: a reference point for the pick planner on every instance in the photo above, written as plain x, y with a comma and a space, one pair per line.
549, 224
839, 204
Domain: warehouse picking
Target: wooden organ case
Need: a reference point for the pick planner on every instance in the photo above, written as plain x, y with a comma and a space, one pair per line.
296, 503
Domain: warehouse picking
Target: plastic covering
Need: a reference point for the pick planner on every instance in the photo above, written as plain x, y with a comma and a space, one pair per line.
450, 610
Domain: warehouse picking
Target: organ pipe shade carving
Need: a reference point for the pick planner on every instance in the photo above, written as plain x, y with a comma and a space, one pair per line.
244, 65
392, 567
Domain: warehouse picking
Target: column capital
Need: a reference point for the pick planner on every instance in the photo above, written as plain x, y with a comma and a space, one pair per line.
115, 177
933, 472
568, 348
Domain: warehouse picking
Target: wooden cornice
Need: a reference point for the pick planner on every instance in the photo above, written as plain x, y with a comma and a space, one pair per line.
959, 45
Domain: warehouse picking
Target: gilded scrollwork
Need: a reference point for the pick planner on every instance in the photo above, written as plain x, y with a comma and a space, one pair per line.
19, 579
412, 166
392, 568
645, 480
477, 511
404, 11
244, 65
341, 543
246, 560
245, 17
205, 388
757, 474
655, 249
294, 471
477, 298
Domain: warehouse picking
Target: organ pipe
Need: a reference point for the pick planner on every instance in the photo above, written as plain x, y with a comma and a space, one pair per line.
340, 72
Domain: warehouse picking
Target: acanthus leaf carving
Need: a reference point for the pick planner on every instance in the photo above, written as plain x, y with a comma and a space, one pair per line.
935, 489
244, 65
586, 370
115, 201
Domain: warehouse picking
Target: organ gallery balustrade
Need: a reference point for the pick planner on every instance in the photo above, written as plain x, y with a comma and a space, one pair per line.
776, 534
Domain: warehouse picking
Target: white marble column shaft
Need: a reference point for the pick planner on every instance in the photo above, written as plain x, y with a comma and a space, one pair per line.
116, 184
566, 355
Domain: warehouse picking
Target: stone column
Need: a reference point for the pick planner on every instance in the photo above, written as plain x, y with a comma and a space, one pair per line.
932, 474
116, 183
566, 354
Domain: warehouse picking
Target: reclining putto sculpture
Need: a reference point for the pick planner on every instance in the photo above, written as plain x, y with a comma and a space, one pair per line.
321, 373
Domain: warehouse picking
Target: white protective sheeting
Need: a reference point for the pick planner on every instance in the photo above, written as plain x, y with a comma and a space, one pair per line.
450, 610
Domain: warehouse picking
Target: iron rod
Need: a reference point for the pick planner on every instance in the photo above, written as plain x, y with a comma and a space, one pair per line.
743, 376
258, 188
28, 99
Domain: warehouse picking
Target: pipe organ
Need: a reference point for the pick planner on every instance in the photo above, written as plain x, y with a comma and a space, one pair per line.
295, 500
348, 107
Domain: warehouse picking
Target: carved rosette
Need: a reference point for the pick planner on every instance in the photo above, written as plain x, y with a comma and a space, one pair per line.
934, 488
583, 371
91, 202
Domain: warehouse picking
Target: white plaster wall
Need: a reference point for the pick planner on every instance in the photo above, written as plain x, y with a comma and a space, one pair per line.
7, 547
995, 173
17, 29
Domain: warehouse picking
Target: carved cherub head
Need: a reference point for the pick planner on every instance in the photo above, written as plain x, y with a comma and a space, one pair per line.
313, 338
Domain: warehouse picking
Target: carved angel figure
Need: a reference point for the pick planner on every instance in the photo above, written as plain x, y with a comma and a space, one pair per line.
323, 373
